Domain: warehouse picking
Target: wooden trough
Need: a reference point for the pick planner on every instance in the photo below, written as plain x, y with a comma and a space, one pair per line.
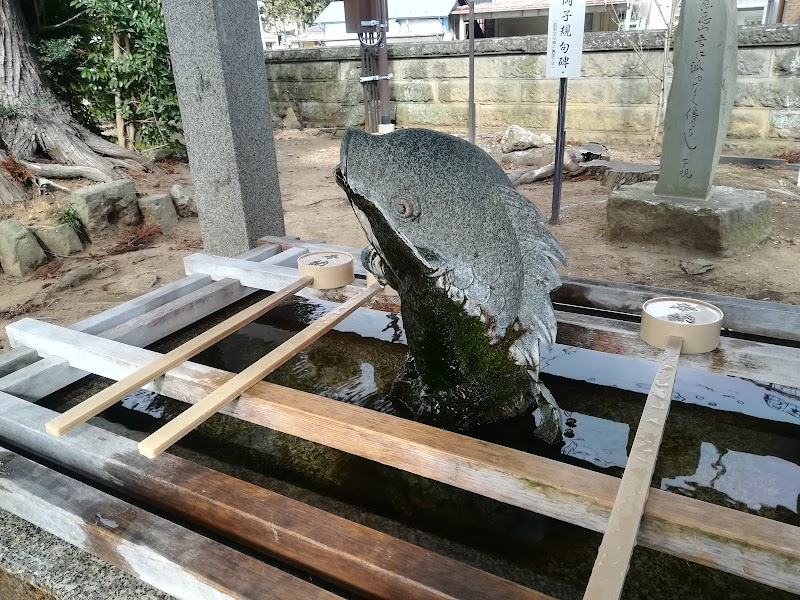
47, 357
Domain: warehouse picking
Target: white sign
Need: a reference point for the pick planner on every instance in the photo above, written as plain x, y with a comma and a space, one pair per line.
565, 37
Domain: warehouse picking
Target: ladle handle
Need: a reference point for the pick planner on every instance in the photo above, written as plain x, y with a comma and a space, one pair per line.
614, 554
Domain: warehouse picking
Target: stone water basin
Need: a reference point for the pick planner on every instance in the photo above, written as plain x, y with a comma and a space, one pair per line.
714, 449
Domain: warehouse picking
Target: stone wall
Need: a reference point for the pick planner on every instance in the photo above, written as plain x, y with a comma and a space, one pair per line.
615, 100
791, 11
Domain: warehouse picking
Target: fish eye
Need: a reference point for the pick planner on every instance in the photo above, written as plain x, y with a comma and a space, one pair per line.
405, 207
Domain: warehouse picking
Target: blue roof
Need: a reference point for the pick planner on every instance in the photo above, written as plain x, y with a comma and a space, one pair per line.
398, 9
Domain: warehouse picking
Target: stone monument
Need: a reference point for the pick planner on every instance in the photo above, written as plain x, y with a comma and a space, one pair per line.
218, 61
683, 207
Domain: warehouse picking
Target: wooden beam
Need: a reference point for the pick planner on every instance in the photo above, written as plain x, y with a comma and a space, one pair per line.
171, 558
114, 393
193, 417
346, 553
738, 358
754, 317
269, 277
614, 554
139, 322
745, 545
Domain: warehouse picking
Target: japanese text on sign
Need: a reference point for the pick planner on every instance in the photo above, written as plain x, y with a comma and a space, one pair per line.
697, 74
565, 37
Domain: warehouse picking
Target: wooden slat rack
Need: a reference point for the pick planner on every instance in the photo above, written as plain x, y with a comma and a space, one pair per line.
47, 357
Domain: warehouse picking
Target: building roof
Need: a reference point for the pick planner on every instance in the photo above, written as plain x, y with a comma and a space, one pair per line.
398, 9
521, 5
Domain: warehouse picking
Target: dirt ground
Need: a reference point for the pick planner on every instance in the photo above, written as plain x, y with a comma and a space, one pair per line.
315, 208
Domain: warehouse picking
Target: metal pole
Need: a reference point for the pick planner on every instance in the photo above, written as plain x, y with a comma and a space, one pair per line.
561, 136
472, 71
383, 67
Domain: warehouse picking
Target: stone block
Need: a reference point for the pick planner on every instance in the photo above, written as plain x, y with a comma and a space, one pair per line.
753, 62
351, 70
409, 114
331, 114
748, 123
633, 91
432, 68
620, 64
20, 253
497, 91
327, 71
517, 66
539, 90
785, 124
61, 240
343, 92
158, 209
770, 93
586, 91
532, 116
282, 71
183, 199
411, 91
620, 119
787, 62
728, 222
100, 204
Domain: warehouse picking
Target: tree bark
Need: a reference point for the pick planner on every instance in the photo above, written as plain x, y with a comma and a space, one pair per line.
33, 123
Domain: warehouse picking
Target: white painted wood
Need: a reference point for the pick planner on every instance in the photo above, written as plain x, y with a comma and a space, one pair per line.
115, 392
736, 542
286, 243
169, 557
196, 415
139, 322
614, 554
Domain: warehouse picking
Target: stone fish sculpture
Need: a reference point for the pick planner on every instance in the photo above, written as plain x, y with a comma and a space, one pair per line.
471, 260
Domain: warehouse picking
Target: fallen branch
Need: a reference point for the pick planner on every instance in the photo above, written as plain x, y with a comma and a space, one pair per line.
571, 165
66, 171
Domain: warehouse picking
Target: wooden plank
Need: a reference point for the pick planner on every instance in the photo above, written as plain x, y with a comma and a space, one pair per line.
346, 553
758, 361
169, 557
614, 555
272, 277
745, 545
738, 358
114, 393
753, 317
18, 358
139, 322
190, 419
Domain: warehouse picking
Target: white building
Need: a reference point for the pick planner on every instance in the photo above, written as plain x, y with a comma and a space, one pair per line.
409, 21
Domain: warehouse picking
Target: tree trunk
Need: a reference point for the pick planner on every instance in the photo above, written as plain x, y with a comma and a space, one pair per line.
33, 123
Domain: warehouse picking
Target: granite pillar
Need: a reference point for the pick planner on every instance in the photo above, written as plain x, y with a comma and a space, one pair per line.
700, 98
218, 62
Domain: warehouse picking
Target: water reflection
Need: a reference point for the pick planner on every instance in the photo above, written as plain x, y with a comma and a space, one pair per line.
755, 481
601, 396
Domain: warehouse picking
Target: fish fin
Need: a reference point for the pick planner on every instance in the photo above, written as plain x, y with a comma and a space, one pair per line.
538, 249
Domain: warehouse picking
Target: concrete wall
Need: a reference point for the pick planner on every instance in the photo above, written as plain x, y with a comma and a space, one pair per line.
615, 100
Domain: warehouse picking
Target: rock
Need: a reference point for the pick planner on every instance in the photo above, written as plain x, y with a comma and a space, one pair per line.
183, 198
697, 266
535, 157
61, 240
518, 138
96, 204
157, 154
158, 209
728, 222
126, 212
20, 253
